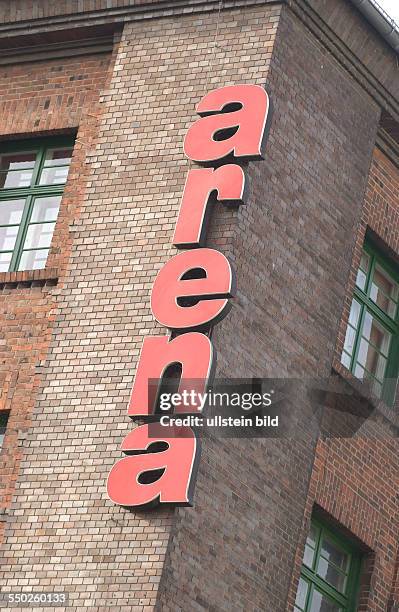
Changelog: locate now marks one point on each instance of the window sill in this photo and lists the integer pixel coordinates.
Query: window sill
(362, 389)
(29, 277)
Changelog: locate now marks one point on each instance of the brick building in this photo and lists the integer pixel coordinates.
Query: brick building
(95, 100)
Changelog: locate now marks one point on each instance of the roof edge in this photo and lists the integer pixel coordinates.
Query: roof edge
(382, 22)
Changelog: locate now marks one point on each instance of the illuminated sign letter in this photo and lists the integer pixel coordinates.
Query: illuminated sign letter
(192, 289)
(149, 475)
(227, 181)
(192, 351)
(233, 123)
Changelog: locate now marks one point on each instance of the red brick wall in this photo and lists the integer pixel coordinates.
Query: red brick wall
(36, 99)
(380, 212)
(381, 207)
(356, 481)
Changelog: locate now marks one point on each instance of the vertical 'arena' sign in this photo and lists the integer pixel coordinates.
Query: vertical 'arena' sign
(231, 128)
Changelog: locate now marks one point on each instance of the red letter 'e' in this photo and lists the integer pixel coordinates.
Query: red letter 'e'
(192, 289)
(222, 132)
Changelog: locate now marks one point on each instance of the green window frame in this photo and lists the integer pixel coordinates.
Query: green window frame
(371, 347)
(33, 174)
(329, 580)
(4, 415)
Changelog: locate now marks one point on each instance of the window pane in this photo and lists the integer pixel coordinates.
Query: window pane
(308, 556)
(331, 558)
(372, 360)
(384, 291)
(5, 259)
(16, 170)
(11, 211)
(334, 554)
(39, 235)
(362, 374)
(362, 271)
(58, 157)
(8, 236)
(349, 339)
(331, 574)
(301, 595)
(312, 536)
(33, 260)
(359, 372)
(54, 176)
(351, 332)
(56, 166)
(376, 388)
(3, 425)
(320, 603)
(376, 334)
(354, 313)
(310, 546)
(46, 209)
(17, 161)
(346, 360)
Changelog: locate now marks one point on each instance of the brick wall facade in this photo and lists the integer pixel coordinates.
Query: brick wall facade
(295, 247)
(290, 249)
(115, 558)
(356, 481)
(46, 98)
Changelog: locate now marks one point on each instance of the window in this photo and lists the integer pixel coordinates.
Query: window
(4, 414)
(371, 341)
(32, 178)
(330, 573)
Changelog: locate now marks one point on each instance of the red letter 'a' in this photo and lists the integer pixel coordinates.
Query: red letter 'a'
(192, 289)
(229, 183)
(127, 485)
(193, 351)
(223, 130)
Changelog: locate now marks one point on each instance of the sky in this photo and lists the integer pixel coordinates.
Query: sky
(391, 7)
